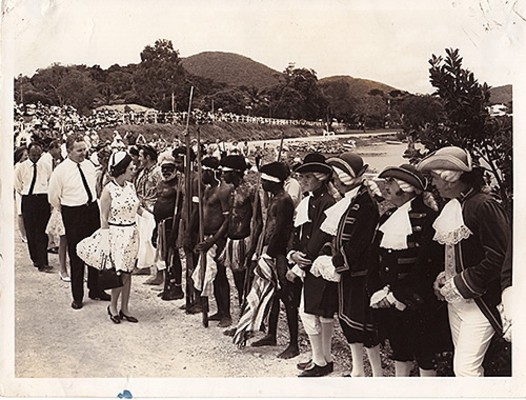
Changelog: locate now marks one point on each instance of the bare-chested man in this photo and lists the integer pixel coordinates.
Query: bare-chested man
(277, 233)
(216, 206)
(241, 233)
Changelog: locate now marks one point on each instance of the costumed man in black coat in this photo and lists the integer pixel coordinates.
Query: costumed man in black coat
(404, 263)
(352, 222)
(319, 301)
(475, 230)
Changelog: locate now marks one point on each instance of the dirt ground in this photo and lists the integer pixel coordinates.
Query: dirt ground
(54, 341)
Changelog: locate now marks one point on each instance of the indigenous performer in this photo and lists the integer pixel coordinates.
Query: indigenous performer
(241, 234)
(269, 284)
(352, 221)
(167, 213)
(147, 182)
(216, 206)
(475, 230)
(119, 234)
(319, 301)
(403, 265)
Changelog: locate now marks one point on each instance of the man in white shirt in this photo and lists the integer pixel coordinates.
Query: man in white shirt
(31, 182)
(72, 190)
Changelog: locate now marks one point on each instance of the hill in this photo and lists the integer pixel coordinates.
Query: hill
(501, 94)
(340, 86)
(231, 69)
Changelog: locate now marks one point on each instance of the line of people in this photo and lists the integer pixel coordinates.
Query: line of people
(415, 275)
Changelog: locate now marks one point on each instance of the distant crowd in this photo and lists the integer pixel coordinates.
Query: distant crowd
(47, 120)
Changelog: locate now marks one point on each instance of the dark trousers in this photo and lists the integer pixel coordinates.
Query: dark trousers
(289, 293)
(80, 222)
(35, 213)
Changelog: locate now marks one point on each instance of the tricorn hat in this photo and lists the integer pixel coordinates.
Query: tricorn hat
(314, 162)
(407, 173)
(350, 163)
(450, 158)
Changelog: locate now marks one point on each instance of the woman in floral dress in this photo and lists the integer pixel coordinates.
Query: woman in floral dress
(120, 237)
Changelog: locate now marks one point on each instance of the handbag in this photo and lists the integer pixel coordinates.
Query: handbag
(108, 277)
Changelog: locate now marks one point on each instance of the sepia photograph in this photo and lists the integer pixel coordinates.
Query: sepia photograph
(221, 198)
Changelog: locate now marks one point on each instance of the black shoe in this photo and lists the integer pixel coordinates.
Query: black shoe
(46, 268)
(128, 318)
(315, 371)
(76, 305)
(102, 296)
(115, 318)
(303, 365)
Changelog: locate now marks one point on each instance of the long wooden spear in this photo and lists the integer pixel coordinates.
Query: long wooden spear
(188, 204)
(202, 259)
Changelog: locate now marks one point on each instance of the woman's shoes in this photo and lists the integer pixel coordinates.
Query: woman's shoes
(127, 317)
(115, 318)
(63, 278)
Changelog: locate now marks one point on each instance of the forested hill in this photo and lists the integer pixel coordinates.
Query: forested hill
(501, 94)
(351, 87)
(232, 69)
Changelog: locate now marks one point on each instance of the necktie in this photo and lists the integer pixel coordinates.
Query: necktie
(85, 183)
(33, 180)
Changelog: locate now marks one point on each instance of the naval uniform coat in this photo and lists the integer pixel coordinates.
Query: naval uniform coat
(320, 296)
(422, 328)
(353, 238)
(480, 257)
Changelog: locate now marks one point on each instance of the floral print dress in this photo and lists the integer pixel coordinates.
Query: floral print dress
(124, 235)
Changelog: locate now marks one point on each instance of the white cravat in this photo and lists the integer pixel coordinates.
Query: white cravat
(335, 212)
(397, 228)
(302, 211)
(449, 226)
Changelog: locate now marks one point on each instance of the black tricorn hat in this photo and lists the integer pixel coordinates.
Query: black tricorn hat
(407, 173)
(314, 162)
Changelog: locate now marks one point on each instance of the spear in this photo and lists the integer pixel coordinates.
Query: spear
(202, 259)
(281, 145)
(188, 203)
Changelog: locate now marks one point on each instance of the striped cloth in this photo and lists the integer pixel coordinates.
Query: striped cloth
(206, 287)
(258, 299)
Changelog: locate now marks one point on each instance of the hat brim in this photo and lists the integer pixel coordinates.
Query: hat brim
(404, 175)
(344, 166)
(442, 162)
(314, 167)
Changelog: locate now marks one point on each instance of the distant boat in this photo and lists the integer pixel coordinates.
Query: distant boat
(393, 142)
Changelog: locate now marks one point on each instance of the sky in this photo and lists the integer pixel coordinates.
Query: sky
(387, 41)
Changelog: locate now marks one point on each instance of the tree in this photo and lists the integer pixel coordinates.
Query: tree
(371, 111)
(419, 112)
(467, 123)
(66, 85)
(298, 96)
(159, 74)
